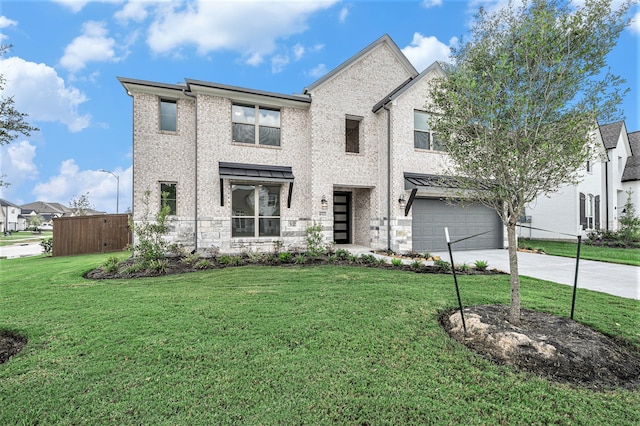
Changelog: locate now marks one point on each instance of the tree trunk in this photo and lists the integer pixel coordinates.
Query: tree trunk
(514, 312)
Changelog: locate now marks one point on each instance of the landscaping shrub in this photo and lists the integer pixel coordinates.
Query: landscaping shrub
(47, 245)
(481, 265)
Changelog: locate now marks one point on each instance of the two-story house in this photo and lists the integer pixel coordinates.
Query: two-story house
(598, 200)
(244, 168)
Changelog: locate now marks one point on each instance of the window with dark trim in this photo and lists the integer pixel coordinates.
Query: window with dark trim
(256, 125)
(352, 135)
(423, 136)
(169, 196)
(168, 115)
(255, 210)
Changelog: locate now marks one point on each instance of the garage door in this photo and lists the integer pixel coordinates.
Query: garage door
(430, 217)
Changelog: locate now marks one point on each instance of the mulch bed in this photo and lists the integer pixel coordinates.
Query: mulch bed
(560, 349)
(10, 344)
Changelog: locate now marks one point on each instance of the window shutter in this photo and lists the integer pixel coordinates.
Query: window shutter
(597, 211)
(583, 216)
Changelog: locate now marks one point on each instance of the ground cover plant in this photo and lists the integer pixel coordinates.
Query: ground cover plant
(626, 256)
(265, 345)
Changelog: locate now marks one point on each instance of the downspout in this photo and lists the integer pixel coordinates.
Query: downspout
(388, 176)
(606, 189)
(195, 167)
(133, 171)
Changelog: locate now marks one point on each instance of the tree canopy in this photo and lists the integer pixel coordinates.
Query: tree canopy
(519, 104)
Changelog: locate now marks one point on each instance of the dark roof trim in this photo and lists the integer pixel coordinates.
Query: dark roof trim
(255, 172)
(384, 39)
(247, 91)
(418, 180)
(398, 91)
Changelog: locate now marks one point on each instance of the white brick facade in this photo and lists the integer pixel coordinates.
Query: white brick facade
(312, 144)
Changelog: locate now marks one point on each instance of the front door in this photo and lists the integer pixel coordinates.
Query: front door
(342, 217)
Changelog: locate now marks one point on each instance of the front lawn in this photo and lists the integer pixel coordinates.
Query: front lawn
(625, 256)
(20, 237)
(279, 345)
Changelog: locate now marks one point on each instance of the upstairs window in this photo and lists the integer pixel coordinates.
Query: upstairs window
(169, 196)
(352, 135)
(168, 115)
(423, 136)
(255, 125)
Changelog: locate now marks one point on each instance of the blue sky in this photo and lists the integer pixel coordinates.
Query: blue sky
(67, 54)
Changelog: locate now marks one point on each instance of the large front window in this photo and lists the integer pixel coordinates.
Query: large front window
(423, 136)
(255, 210)
(256, 125)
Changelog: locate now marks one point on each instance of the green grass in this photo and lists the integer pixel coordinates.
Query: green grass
(289, 345)
(625, 256)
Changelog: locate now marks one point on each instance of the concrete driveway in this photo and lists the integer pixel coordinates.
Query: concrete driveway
(21, 250)
(618, 280)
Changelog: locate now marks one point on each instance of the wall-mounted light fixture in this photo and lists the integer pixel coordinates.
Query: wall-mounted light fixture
(324, 203)
(402, 202)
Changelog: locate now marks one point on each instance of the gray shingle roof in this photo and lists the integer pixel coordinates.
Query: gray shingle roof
(4, 202)
(632, 168)
(611, 133)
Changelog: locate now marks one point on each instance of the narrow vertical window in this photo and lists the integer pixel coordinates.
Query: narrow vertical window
(168, 111)
(169, 196)
(352, 135)
(423, 136)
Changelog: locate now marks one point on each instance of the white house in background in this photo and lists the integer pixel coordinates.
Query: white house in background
(598, 200)
(245, 168)
(631, 174)
(10, 217)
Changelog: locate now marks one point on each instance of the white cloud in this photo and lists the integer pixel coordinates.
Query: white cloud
(102, 187)
(5, 23)
(318, 71)
(431, 3)
(16, 162)
(635, 23)
(77, 5)
(424, 51)
(135, 11)
(298, 51)
(278, 62)
(92, 45)
(248, 27)
(344, 12)
(74, 5)
(39, 92)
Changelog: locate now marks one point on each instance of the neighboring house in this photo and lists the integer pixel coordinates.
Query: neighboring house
(598, 200)
(245, 169)
(631, 174)
(10, 217)
(49, 210)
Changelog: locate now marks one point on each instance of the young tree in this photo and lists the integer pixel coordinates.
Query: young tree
(81, 205)
(12, 122)
(518, 106)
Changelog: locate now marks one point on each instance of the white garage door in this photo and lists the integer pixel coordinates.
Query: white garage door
(431, 216)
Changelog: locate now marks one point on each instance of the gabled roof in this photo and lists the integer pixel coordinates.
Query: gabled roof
(398, 91)
(611, 133)
(4, 202)
(385, 39)
(632, 168)
(46, 207)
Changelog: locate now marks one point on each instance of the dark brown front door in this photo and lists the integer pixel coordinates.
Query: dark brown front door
(342, 217)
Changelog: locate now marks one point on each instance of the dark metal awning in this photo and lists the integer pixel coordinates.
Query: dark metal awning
(255, 172)
(413, 181)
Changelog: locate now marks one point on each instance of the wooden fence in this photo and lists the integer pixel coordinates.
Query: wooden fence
(90, 234)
